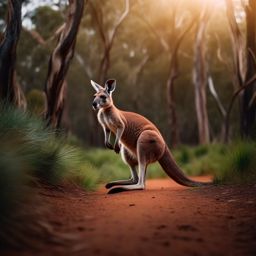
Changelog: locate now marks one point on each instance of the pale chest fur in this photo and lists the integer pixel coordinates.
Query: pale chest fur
(110, 121)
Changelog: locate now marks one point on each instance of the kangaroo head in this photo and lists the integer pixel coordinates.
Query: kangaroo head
(103, 95)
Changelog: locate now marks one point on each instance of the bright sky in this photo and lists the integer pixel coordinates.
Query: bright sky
(32, 5)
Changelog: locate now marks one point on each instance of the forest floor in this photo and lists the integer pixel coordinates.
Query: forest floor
(166, 219)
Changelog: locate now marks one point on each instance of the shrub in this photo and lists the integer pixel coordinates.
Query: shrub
(201, 151)
(29, 151)
(183, 156)
(36, 101)
(239, 166)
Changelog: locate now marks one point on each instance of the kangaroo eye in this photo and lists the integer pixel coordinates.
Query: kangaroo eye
(103, 97)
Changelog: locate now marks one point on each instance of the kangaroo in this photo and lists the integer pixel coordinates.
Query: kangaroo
(137, 139)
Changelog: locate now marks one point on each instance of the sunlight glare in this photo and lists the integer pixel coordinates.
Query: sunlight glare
(216, 3)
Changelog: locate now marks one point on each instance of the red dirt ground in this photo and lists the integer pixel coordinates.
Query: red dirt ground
(166, 219)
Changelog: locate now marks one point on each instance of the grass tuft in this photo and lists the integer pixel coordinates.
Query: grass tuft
(239, 166)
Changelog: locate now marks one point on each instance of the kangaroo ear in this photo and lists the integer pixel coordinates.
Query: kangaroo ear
(96, 86)
(110, 85)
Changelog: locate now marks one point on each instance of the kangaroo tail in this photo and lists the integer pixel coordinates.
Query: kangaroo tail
(172, 169)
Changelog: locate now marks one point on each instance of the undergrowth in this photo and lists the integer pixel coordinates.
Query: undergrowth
(239, 165)
(30, 154)
(234, 163)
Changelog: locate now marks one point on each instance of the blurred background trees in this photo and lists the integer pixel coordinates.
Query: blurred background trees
(143, 57)
(189, 66)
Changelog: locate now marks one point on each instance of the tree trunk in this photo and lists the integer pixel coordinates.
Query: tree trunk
(104, 66)
(10, 90)
(239, 64)
(200, 82)
(59, 64)
(172, 116)
(134, 81)
(248, 113)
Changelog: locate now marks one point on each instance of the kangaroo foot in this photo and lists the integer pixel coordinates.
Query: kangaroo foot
(126, 188)
(120, 183)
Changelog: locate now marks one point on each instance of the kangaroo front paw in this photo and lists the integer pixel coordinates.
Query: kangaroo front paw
(117, 148)
(108, 145)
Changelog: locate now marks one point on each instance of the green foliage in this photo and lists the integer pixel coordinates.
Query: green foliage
(30, 152)
(201, 150)
(85, 175)
(184, 155)
(46, 20)
(36, 101)
(239, 166)
(107, 164)
(233, 163)
(29, 149)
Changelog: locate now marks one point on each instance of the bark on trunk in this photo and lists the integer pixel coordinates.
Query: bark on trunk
(239, 64)
(59, 64)
(171, 101)
(200, 82)
(134, 81)
(10, 90)
(248, 113)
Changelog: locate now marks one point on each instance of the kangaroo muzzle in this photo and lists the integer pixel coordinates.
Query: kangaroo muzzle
(94, 105)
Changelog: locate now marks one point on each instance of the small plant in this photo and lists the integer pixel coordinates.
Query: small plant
(183, 156)
(36, 102)
(240, 164)
(201, 151)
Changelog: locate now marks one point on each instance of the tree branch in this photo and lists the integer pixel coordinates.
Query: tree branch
(119, 22)
(216, 97)
(155, 33)
(81, 61)
(236, 93)
(99, 22)
(35, 35)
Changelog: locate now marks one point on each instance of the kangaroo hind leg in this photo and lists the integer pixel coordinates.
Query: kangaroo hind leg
(150, 147)
(132, 162)
(135, 185)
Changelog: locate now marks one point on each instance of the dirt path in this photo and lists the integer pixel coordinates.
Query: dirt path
(166, 219)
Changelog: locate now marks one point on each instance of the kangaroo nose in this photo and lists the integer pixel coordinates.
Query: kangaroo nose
(94, 105)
